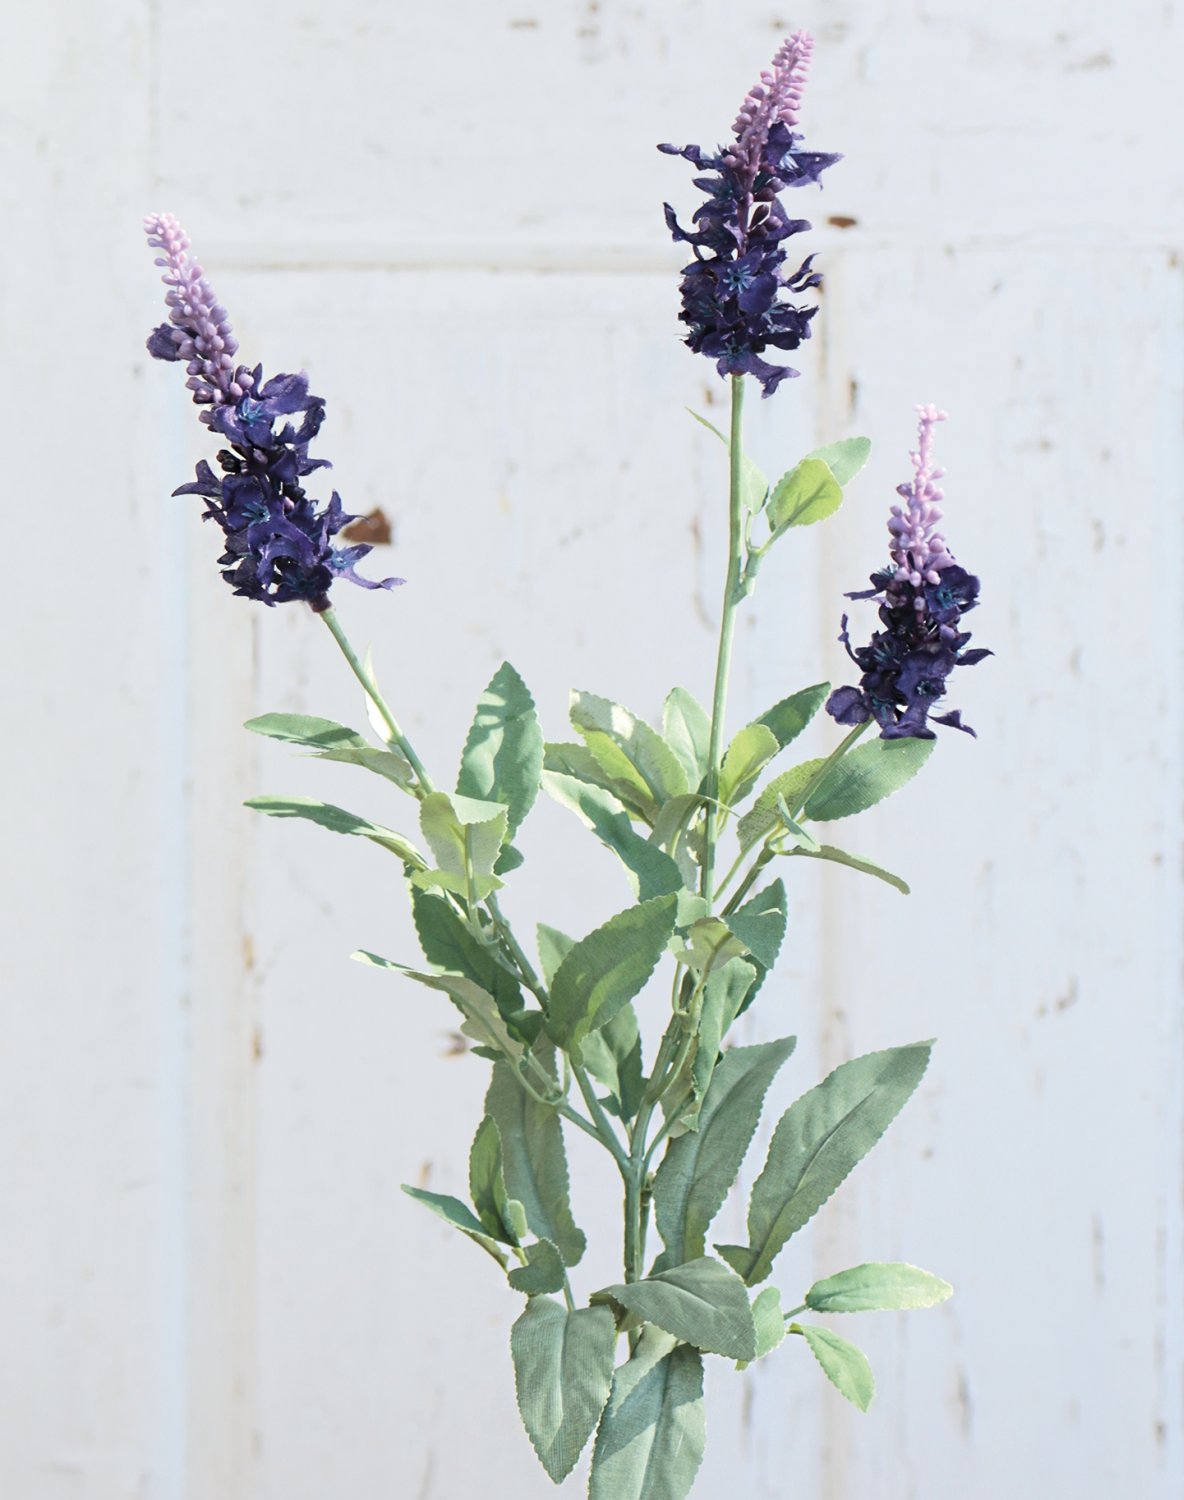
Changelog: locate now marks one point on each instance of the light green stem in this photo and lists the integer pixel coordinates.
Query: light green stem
(826, 768)
(727, 624)
(370, 687)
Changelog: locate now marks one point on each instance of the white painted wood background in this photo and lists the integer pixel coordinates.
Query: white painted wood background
(210, 1285)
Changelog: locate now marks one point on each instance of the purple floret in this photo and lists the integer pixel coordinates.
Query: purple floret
(733, 292)
(279, 544)
(923, 596)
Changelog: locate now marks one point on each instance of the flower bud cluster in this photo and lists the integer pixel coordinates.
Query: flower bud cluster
(733, 292)
(923, 596)
(279, 543)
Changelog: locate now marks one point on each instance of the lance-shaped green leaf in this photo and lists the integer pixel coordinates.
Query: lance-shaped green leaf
(337, 820)
(845, 458)
(623, 781)
(503, 755)
(878, 1287)
(466, 837)
(333, 741)
(605, 970)
(629, 749)
(553, 946)
(746, 757)
(808, 493)
(534, 1160)
(700, 1302)
(563, 1370)
(501, 1216)
(687, 730)
(454, 1212)
(800, 839)
(543, 1271)
(700, 1167)
(613, 1056)
(651, 871)
(308, 731)
(763, 817)
(651, 1437)
(760, 923)
(448, 944)
(753, 485)
(483, 1021)
(818, 1141)
(724, 996)
(844, 1365)
(769, 1320)
(866, 775)
(670, 833)
(853, 862)
(788, 718)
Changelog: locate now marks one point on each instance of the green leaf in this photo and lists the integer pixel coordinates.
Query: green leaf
(840, 857)
(501, 1217)
(448, 944)
(651, 1437)
(788, 718)
(613, 1056)
(627, 787)
(651, 871)
(503, 755)
(763, 817)
(807, 494)
(563, 1371)
(306, 730)
(454, 1212)
(818, 1141)
(866, 775)
(534, 1161)
(753, 484)
(801, 839)
(392, 763)
(554, 946)
(877, 1287)
(543, 1271)
(629, 749)
(700, 1302)
(465, 835)
(483, 1021)
(760, 923)
(700, 1167)
(687, 730)
(337, 820)
(605, 970)
(724, 997)
(769, 1320)
(670, 834)
(334, 741)
(746, 757)
(845, 458)
(844, 1365)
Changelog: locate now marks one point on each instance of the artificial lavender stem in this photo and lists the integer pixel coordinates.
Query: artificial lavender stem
(727, 623)
(371, 689)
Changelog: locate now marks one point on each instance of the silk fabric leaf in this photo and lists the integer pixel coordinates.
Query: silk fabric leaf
(699, 1168)
(651, 1437)
(503, 756)
(563, 1371)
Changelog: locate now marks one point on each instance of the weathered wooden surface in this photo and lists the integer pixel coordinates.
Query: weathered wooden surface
(211, 1285)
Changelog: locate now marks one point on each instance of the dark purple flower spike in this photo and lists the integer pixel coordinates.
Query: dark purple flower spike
(732, 292)
(279, 545)
(923, 596)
